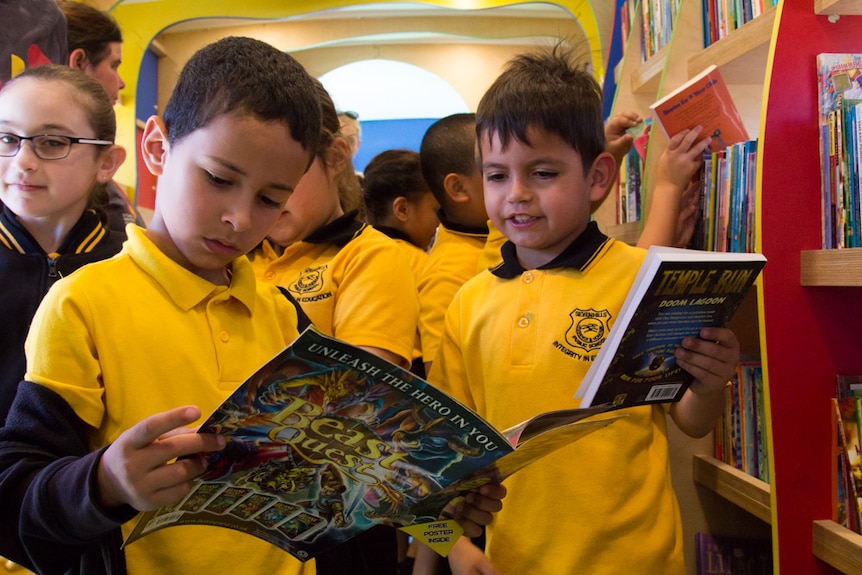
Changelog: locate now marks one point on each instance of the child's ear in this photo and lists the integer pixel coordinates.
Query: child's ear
(455, 189)
(401, 208)
(110, 161)
(602, 174)
(154, 145)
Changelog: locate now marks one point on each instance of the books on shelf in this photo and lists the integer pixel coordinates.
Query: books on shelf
(730, 555)
(702, 101)
(630, 190)
(839, 98)
(675, 294)
(658, 18)
(741, 432)
(721, 17)
(327, 440)
(727, 205)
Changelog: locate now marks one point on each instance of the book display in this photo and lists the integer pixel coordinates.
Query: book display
(769, 66)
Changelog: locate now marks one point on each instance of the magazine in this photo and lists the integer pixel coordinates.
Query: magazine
(675, 293)
(327, 440)
(702, 101)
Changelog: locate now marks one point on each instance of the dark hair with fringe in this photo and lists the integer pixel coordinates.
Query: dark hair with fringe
(91, 96)
(448, 147)
(89, 29)
(545, 89)
(388, 175)
(244, 76)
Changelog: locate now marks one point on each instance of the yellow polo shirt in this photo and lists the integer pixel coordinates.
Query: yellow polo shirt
(451, 262)
(352, 281)
(604, 505)
(136, 335)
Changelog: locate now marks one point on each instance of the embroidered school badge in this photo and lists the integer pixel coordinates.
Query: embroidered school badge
(589, 328)
(310, 281)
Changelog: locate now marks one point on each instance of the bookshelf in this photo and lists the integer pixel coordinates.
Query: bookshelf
(808, 299)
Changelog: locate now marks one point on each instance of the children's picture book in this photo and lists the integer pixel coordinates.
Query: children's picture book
(675, 294)
(702, 101)
(729, 555)
(327, 440)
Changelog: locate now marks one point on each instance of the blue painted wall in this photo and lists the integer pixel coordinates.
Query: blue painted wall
(381, 135)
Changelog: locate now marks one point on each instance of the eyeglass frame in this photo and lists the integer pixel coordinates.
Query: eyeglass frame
(72, 140)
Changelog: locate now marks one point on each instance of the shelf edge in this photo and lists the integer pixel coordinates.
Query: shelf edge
(745, 491)
(837, 546)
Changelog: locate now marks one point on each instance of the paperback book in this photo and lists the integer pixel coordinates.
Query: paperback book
(327, 440)
(702, 101)
(675, 294)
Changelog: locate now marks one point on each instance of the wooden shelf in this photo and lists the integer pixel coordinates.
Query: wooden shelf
(837, 546)
(841, 268)
(838, 7)
(745, 491)
(646, 79)
(741, 55)
(628, 233)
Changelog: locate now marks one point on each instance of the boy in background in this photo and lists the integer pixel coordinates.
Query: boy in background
(509, 351)
(102, 415)
(447, 157)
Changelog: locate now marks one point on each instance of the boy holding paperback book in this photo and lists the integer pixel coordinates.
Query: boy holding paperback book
(108, 394)
(520, 337)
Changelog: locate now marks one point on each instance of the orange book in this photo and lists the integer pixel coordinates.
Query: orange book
(702, 101)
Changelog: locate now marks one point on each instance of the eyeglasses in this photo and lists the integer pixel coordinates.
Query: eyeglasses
(47, 147)
(350, 114)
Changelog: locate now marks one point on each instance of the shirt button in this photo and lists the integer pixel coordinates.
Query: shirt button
(528, 277)
(225, 336)
(523, 322)
(269, 275)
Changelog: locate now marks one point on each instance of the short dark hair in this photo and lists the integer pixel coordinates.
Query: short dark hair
(89, 29)
(387, 176)
(244, 76)
(545, 89)
(448, 147)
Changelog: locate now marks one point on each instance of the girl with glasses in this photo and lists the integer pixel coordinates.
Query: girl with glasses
(57, 128)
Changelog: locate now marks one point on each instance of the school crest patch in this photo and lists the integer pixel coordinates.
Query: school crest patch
(310, 281)
(589, 328)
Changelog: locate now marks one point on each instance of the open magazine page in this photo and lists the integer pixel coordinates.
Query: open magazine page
(325, 441)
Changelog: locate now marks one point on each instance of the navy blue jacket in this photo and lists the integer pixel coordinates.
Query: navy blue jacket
(26, 273)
